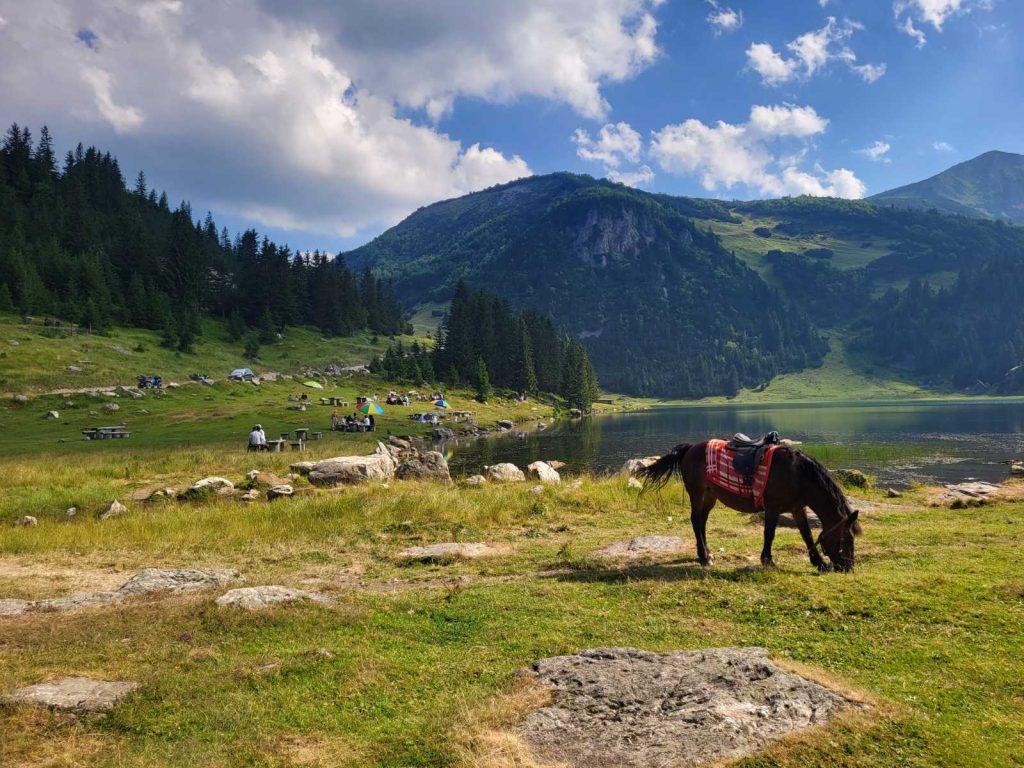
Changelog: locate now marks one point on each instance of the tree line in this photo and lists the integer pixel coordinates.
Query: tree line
(483, 343)
(77, 243)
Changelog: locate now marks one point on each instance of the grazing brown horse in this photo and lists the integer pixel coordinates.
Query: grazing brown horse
(795, 482)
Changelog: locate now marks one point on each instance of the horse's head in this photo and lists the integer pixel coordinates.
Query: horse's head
(839, 542)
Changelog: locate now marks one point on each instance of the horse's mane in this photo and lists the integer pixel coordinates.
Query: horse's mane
(815, 472)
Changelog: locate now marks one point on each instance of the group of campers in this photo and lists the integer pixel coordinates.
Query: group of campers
(353, 423)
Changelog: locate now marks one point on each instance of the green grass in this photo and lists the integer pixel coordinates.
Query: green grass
(34, 358)
(931, 624)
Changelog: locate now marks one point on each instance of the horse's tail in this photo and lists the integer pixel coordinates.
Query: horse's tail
(660, 472)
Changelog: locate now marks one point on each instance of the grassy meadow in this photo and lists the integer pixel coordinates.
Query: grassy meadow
(422, 657)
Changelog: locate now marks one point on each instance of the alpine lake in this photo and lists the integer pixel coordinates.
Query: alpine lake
(899, 443)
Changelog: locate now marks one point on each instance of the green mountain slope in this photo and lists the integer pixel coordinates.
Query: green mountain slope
(663, 308)
(991, 186)
(681, 297)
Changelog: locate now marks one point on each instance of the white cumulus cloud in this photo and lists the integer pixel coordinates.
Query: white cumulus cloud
(933, 12)
(725, 155)
(724, 19)
(310, 116)
(618, 147)
(878, 151)
(942, 146)
(810, 53)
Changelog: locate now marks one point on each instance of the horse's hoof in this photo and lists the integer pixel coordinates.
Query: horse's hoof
(707, 562)
(822, 567)
(768, 563)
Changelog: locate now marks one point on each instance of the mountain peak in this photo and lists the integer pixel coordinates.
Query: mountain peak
(989, 186)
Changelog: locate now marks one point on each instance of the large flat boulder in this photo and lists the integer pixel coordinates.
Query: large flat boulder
(264, 597)
(150, 580)
(642, 546)
(635, 709)
(379, 466)
(73, 694)
(446, 552)
(207, 487)
(430, 465)
(13, 607)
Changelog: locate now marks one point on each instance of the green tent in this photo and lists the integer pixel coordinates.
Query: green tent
(313, 384)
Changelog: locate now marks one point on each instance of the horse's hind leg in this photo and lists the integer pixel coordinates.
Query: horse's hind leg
(771, 520)
(800, 515)
(701, 503)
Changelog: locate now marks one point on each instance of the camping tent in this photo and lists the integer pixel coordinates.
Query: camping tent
(241, 374)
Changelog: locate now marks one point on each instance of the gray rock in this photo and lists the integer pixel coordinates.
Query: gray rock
(209, 486)
(282, 491)
(302, 467)
(74, 694)
(505, 473)
(261, 598)
(636, 709)
(442, 433)
(427, 466)
(10, 606)
(113, 509)
(21, 399)
(256, 478)
(446, 552)
(122, 391)
(348, 470)
(150, 580)
(28, 520)
(399, 443)
(632, 466)
(52, 415)
(111, 407)
(74, 369)
(541, 470)
(75, 601)
(475, 480)
(634, 484)
(251, 495)
(71, 511)
(892, 493)
(643, 546)
(504, 424)
(555, 465)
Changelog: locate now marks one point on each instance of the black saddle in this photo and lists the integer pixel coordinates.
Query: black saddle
(748, 453)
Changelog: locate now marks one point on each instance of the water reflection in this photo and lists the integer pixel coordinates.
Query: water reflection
(948, 441)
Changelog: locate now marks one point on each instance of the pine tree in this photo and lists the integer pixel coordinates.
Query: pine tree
(6, 300)
(266, 329)
(235, 326)
(483, 381)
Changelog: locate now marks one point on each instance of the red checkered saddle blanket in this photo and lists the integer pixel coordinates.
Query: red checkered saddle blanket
(721, 472)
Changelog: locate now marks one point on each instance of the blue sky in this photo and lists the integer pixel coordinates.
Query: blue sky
(325, 122)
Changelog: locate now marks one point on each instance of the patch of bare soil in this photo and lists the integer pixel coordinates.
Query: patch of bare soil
(33, 578)
(630, 708)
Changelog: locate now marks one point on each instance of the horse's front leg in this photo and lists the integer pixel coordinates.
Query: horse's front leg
(800, 515)
(771, 520)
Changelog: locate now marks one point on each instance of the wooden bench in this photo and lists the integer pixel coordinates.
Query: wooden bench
(298, 445)
(316, 435)
(116, 432)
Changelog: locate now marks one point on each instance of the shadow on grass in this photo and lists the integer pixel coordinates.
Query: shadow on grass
(678, 570)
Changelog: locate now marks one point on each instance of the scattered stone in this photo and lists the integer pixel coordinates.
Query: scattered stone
(21, 399)
(852, 477)
(122, 391)
(786, 520)
(251, 495)
(12, 607)
(282, 491)
(258, 479)
(446, 552)
(632, 466)
(475, 480)
(74, 369)
(399, 442)
(536, 490)
(28, 520)
(208, 486)
(440, 434)
(302, 467)
(71, 511)
(111, 407)
(504, 424)
(74, 694)
(505, 473)
(1017, 468)
(892, 493)
(347, 470)
(555, 465)
(431, 465)
(113, 509)
(52, 415)
(161, 494)
(642, 546)
(635, 484)
(68, 404)
(575, 413)
(150, 580)
(541, 470)
(632, 708)
(75, 601)
(260, 598)
(119, 348)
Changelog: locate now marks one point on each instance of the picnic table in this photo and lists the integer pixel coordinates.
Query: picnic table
(275, 446)
(115, 432)
(301, 434)
(337, 402)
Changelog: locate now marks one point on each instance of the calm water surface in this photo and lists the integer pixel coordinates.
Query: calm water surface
(900, 443)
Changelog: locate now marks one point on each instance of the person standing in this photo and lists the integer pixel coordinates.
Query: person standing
(334, 420)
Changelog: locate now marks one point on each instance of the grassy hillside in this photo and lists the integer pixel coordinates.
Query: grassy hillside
(420, 661)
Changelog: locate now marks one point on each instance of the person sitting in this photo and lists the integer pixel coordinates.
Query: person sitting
(371, 423)
(257, 439)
